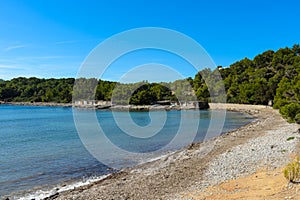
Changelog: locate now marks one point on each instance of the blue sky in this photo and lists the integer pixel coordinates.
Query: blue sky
(51, 38)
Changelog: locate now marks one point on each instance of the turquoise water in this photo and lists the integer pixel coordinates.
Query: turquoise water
(39, 146)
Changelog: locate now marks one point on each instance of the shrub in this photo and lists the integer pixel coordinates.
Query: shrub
(290, 138)
(292, 171)
(290, 111)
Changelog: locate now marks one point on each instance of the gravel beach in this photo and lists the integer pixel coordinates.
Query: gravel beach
(266, 142)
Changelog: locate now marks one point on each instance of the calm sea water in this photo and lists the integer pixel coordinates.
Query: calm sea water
(40, 147)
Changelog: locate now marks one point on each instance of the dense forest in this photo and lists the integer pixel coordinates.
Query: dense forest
(272, 75)
(269, 76)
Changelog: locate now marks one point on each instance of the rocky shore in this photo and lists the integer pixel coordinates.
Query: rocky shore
(38, 104)
(204, 105)
(267, 142)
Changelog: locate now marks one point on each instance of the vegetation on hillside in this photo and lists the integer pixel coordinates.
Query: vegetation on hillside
(140, 93)
(269, 76)
(37, 90)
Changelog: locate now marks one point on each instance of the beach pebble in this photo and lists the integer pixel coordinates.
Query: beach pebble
(270, 150)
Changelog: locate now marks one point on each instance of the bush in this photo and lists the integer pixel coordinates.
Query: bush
(290, 138)
(292, 171)
(290, 111)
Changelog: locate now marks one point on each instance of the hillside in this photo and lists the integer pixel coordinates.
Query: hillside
(269, 76)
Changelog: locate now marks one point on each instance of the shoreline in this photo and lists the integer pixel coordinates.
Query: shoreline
(251, 170)
(171, 176)
(121, 108)
(186, 169)
(52, 193)
(37, 104)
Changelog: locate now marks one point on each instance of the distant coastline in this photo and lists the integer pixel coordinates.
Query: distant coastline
(37, 104)
(203, 106)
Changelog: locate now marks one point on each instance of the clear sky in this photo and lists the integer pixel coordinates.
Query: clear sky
(51, 38)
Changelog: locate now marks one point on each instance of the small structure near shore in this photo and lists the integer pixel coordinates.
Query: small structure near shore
(163, 103)
(92, 103)
(270, 103)
(195, 105)
(159, 105)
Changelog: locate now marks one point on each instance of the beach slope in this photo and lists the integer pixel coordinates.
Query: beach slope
(186, 173)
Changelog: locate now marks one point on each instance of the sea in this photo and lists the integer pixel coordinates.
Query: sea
(44, 149)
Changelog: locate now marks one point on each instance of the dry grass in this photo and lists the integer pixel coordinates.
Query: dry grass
(292, 171)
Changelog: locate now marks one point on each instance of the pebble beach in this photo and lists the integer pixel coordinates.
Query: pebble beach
(267, 142)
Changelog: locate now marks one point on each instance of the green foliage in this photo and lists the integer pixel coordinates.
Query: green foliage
(269, 76)
(290, 138)
(104, 90)
(142, 93)
(85, 89)
(183, 90)
(208, 85)
(292, 171)
(37, 90)
(290, 111)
